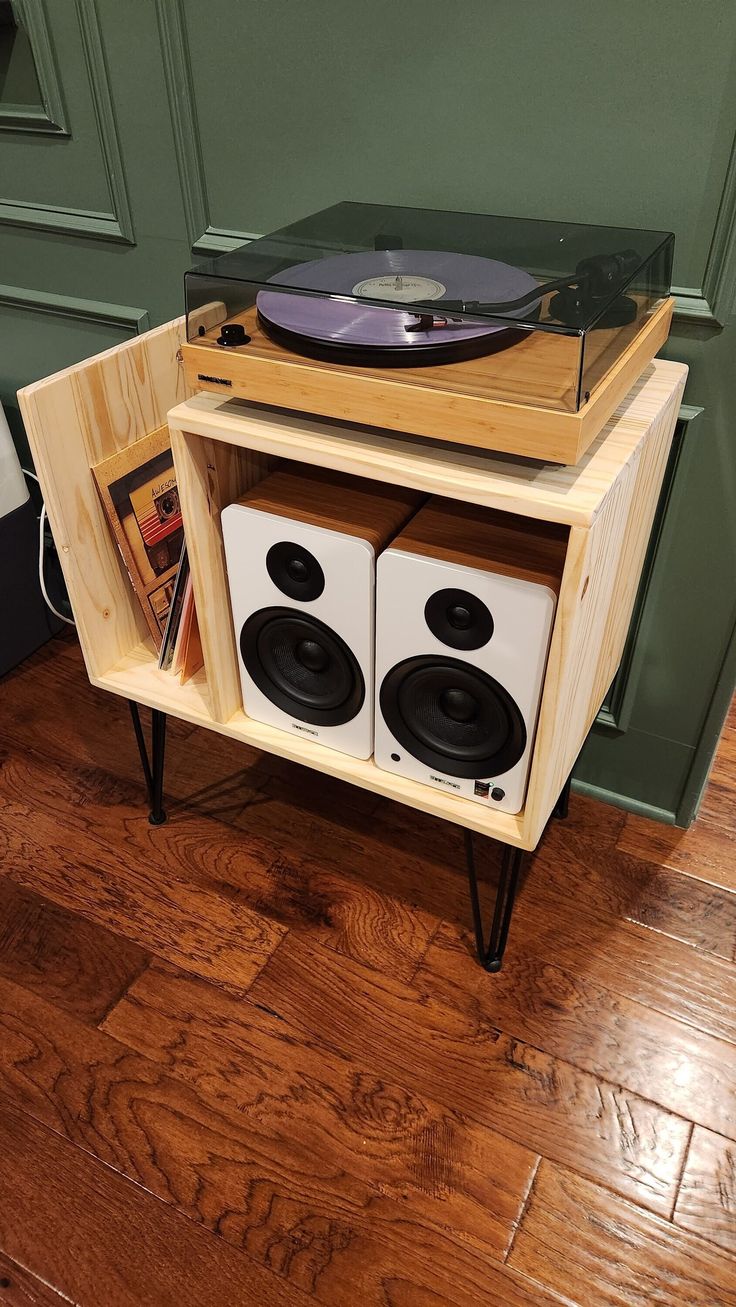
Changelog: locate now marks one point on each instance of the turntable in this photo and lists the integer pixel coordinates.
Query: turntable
(511, 334)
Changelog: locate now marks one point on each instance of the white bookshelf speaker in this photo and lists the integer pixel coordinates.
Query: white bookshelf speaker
(465, 603)
(301, 549)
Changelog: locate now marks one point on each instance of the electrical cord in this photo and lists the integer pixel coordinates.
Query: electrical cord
(41, 545)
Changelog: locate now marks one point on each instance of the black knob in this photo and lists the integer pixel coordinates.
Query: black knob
(311, 655)
(459, 617)
(297, 569)
(497, 794)
(232, 334)
(458, 705)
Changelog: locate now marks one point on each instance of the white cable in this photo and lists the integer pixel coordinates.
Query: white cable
(41, 542)
(41, 578)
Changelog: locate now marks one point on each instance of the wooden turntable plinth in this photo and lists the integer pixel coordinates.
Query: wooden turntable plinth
(474, 402)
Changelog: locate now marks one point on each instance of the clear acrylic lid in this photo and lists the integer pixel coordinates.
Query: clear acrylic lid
(558, 277)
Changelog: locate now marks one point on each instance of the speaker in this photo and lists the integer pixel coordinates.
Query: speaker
(300, 550)
(465, 603)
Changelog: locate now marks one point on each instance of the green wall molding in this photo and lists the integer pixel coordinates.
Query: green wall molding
(116, 225)
(203, 237)
(134, 319)
(49, 117)
(715, 301)
(709, 304)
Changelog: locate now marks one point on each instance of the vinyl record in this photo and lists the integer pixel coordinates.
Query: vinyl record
(372, 334)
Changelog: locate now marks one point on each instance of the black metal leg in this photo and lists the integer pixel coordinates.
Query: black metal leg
(561, 807)
(490, 955)
(153, 767)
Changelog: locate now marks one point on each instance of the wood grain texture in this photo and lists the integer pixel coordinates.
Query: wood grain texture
(585, 1243)
(315, 1183)
(496, 542)
(572, 1016)
(568, 494)
(143, 880)
(451, 1173)
(519, 400)
(691, 910)
(80, 967)
(366, 1137)
(81, 1227)
(706, 851)
(706, 1202)
(102, 405)
(698, 989)
(543, 1102)
(18, 1288)
(351, 505)
(261, 880)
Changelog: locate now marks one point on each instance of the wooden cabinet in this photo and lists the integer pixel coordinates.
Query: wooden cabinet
(606, 502)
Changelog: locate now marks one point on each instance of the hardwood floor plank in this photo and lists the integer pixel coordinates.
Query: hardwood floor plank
(144, 882)
(271, 1176)
(77, 965)
(595, 1248)
(94, 1236)
(568, 1015)
(706, 852)
(448, 1170)
(647, 966)
(294, 887)
(611, 881)
(431, 1048)
(706, 1202)
(18, 1288)
(718, 804)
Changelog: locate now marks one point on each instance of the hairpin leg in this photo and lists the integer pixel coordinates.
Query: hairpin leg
(561, 807)
(153, 766)
(490, 954)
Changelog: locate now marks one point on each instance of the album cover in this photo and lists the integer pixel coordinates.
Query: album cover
(139, 494)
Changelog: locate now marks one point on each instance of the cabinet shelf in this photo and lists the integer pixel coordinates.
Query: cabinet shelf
(137, 677)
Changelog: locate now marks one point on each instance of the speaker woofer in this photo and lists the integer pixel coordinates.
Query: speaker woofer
(453, 717)
(302, 666)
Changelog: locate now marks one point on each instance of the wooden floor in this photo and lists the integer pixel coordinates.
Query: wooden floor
(248, 1058)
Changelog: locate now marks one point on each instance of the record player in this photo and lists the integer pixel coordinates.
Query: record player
(511, 334)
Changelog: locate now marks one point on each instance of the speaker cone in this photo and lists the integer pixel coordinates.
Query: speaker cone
(458, 618)
(453, 717)
(302, 666)
(294, 571)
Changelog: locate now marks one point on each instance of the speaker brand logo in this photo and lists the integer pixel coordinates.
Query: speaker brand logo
(307, 730)
(442, 780)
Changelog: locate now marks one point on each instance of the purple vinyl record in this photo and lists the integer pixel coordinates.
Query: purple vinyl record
(371, 333)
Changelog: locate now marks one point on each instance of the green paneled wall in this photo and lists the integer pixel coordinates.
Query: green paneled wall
(170, 125)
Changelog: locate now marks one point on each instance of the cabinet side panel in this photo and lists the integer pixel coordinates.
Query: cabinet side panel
(577, 652)
(74, 419)
(599, 586)
(211, 475)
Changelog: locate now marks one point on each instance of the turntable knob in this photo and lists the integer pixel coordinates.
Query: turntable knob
(233, 333)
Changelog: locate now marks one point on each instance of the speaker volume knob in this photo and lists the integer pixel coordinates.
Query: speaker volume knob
(459, 617)
(312, 656)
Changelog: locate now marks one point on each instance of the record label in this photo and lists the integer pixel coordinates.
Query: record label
(402, 288)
